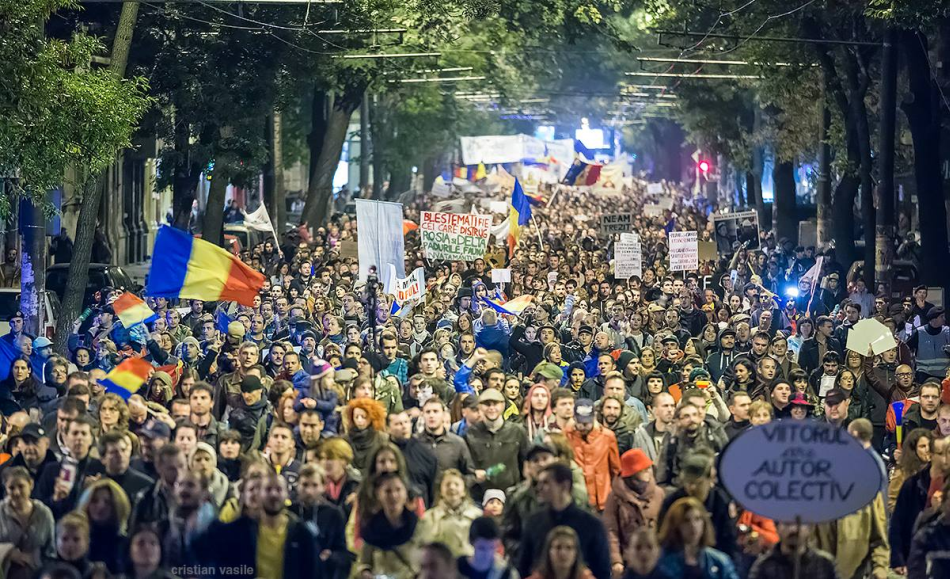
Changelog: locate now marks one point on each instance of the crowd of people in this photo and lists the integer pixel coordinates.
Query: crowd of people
(315, 434)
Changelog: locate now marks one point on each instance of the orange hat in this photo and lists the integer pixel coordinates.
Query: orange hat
(634, 461)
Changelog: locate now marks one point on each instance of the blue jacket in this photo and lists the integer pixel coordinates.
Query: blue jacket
(715, 564)
(326, 401)
(493, 338)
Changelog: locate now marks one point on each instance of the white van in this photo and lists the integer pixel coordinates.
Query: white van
(10, 304)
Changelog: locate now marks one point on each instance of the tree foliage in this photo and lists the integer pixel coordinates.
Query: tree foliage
(57, 111)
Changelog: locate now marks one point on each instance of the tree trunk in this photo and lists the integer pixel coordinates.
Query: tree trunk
(212, 226)
(315, 140)
(377, 126)
(867, 189)
(923, 112)
(273, 196)
(187, 175)
(33, 267)
(320, 189)
(750, 198)
(786, 214)
(823, 201)
(884, 232)
(78, 274)
(365, 148)
(430, 170)
(843, 226)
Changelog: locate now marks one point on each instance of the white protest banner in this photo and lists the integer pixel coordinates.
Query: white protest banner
(407, 289)
(652, 210)
(655, 188)
(616, 223)
(501, 276)
(628, 259)
(630, 237)
(380, 239)
(684, 251)
(454, 236)
(805, 470)
(492, 149)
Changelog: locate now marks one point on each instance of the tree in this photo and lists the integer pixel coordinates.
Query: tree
(60, 116)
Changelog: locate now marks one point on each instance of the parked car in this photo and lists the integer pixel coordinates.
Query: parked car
(10, 304)
(100, 275)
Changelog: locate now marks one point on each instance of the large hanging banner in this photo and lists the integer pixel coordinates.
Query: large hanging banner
(684, 251)
(492, 149)
(380, 240)
(454, 236)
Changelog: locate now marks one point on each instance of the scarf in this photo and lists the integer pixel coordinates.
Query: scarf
(380, 533)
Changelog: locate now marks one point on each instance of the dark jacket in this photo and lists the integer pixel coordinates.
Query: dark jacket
(44, 486)
(450, 450)
(532, 351)
(930, 551)
(327, 524)
(911, 501)
(507, 446)
(815, 564)
(809, 358)
(423, 467)
(590, 530)
(151, 506)
(234, 544)
(17, 460)
(132, 482)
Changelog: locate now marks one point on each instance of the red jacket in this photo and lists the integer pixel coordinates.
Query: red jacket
(599, 458)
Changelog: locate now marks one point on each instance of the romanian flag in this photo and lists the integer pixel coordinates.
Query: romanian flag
(126, 378)
(582, 173)
(519, 214)
(512, 307)
(480, 172)
(132, 310)
(188, 268)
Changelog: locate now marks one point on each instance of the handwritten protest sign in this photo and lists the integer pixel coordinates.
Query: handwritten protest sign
(629, 237)
(799, 469)
(655, 188)
(628, 259)
(454, 236)
(616, 222)
(501, 275)
(684, 251)
(406, 289)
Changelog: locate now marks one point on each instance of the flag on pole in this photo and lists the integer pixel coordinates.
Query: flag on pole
(518, 216)
(188, 268)
(512, 307)
(260, 220)
(132, 310)
(126, 378)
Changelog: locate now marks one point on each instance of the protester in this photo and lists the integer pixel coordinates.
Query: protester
(686, 537)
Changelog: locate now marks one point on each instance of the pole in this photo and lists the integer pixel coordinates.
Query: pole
(823, 201)
(884, 230)
(797, 562)
(538, 231)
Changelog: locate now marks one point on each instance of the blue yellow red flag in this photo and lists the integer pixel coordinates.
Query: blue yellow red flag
(126, 378)
(187, 267)
(132, 310)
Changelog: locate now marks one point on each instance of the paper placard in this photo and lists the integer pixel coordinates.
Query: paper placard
(501, 276)
(652, 210)
(628, 259)
(631, 237)
(454, 236)
(498, 207)
(349, 248)
(684, 251)
(655, 188)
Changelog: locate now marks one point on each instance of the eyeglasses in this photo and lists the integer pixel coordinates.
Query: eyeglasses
(904, 374)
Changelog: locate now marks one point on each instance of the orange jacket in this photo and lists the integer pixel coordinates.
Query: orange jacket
(599, 459)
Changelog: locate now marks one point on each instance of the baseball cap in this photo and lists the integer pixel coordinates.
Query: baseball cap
(251, 383)
(490, 395)
(634, 461)
(549, 370)
(41, 342)
(32, 430)
(585, 330)
(835, 396)
(538, 448)
(584, 411)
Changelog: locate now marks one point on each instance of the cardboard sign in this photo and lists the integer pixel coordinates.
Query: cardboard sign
(349, 248)
(498, 207)
(501, 276)
(732, 228)
(628, 259)
(684, 251)
(707, 251)
(652, 210)
(799, 469)
(454, 236)
(616, 223)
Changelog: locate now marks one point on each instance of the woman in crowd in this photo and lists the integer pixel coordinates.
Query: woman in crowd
(912, 457)
(514, 400)
(145, 555)
(365, 422)
(26, 525)
(561, 558)
(537, 412)
(686, 536)
(391, 535)
(107, 507)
